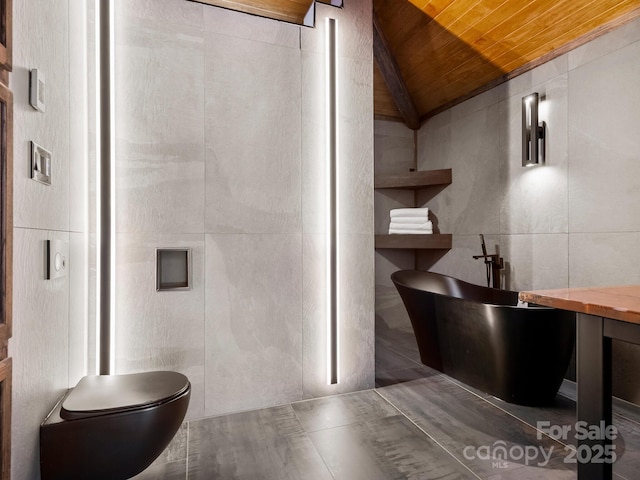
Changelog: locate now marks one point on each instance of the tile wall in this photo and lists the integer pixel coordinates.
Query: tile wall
(220, 149)
(50, 317)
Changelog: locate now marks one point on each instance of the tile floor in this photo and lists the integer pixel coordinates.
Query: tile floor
(416, 424)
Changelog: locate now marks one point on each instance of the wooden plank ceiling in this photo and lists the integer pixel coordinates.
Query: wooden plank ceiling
(448, 50)
(292, 11)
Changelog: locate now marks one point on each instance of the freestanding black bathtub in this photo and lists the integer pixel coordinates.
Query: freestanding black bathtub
(479, 336)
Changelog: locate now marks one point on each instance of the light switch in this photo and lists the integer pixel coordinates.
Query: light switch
(57, 254)
(37, 84)
(40, 164)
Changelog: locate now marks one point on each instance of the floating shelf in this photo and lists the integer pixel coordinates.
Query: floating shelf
(435, 241)
(414, 180)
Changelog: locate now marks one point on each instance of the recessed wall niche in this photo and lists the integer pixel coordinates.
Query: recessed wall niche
(173, 269)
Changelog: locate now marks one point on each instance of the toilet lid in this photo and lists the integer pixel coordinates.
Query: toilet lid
(104, 394)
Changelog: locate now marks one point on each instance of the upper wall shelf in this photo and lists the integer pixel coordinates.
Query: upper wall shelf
(414, 180)
(434, 241)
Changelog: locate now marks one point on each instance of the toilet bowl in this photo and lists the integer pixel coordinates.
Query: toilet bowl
(112, 426)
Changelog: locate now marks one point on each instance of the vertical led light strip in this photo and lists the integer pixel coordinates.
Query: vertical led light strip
(98, 133)
(105, 152)
(331, 100)
(84, 46)
(112, 185)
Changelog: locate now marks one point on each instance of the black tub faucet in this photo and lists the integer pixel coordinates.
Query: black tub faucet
(493, 263)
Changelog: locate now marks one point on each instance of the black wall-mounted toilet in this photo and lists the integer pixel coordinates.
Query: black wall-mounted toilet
(112, 426)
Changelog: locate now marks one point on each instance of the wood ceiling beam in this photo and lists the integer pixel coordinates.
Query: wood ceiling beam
(393, 77)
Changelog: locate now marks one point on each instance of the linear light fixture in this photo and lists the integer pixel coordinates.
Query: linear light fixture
(533, 138)
(331, 102)
(105, 195)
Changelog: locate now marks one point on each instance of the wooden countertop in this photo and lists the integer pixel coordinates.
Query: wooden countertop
(620, 303)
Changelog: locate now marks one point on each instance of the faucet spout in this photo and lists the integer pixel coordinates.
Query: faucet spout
(494, 263)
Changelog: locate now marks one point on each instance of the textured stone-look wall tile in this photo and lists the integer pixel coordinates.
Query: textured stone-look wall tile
(39, 346)
(435, 152)
(469, 146)
(81, 166)
(392, 147)
(355, 155)
(551, 70)
(604, 45)
(257, 29)
(459, 261)
(389, 261)
(92, 260)
(314, 142)
(535, 262)
(80, 161)
(389, 306)
(252, 137)
(356, 318)
(186, 14)
(390, 309)
(79, 313)
(159, 128)
(36, 205)
(314, 316)
(160, 330)
(604, 259)
(357, 311)
(477, 103)
(604, 169)
(475, 193)
(434, 142)
(253, 329)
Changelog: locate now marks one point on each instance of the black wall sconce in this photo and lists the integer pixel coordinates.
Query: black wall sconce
(533, 132)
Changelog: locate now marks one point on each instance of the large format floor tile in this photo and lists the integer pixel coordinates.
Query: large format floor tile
(340, 410)
(418, 424)
(468, 426)
(388, 448)
(267, 444)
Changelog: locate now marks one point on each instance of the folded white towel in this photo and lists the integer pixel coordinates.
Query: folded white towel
(410, 220)
(409, 232)
(409, 212)
(410, 226)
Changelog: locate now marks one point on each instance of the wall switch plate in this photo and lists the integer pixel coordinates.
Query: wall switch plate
(40, 164)
(37, 84)
(57, 253)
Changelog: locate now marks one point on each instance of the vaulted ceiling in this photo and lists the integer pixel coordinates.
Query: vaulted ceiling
(432, 54)
(449, 50)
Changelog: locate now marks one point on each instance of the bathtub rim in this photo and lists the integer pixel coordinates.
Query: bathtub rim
(396, 274)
